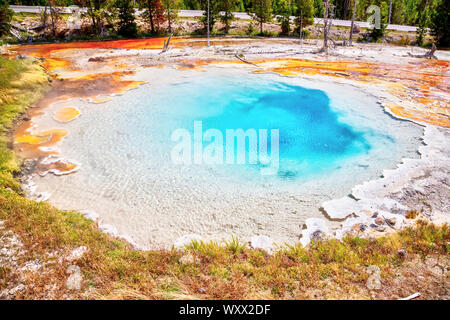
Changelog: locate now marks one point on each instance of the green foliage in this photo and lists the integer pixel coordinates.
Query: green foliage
(409, 12)
(16, 94)
(377, 33)
(227, 7)
(153, 13)
(261, 11)
(98, 12)
(251, 29)
(214, 12)
(126, 26)
(285, 24)
(304, 13)
(5, 17)
(398, 12)
(423, 24)
(171, 8)
(234, 246)
(440, 23)
(318, 8)
(284, 12)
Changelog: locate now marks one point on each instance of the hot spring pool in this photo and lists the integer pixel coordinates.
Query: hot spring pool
(331, 137)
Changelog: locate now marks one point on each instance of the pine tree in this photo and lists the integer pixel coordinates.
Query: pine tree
(214, 12)
(227, 7)
(153, 13)
(378, 33)
(127, 25)
(283, 11)
(5, 17)
(261, 11)
(423, 24)
(171, 8)
(304, 13)
(440, 23)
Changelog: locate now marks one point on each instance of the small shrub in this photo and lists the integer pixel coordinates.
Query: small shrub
(285, 25)
(251, 29)
(412, 214)
(404, 40)
(235, 246)
(5, 17)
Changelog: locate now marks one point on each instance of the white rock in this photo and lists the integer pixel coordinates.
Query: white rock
(374, 280)
(313, 225)
(31, 266)
(340, 208)
(73, 282)
(90, 214)
(109, 229)
(262, 242)
(76, 254)
(187, 259)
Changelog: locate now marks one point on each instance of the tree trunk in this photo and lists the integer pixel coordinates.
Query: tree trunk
(150, 14)
(301, 28)
(52, 18)
(97, 19)
(325, 26)
(352, 24)
(168, 19)
(390, 12)
(208, 26)
(261, 8)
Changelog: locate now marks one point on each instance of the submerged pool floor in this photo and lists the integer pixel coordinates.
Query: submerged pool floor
(331, 137)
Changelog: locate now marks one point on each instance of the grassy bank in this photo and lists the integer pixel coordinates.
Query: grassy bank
(111, 269)
(21, 83)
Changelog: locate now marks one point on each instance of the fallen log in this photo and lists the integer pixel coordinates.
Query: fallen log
(18, 27)
(16, 34)
(428, 55)
(240, 57)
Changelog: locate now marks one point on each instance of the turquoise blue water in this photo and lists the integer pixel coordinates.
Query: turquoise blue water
(332, 137)
(311, 137)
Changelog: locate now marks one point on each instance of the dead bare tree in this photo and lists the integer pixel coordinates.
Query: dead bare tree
(301, 26)
(166, 44)
(208, 26)
(44, 17)
(390, 12)
(52, 13)
(325, 27)
(327, 23)
(54, 17)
